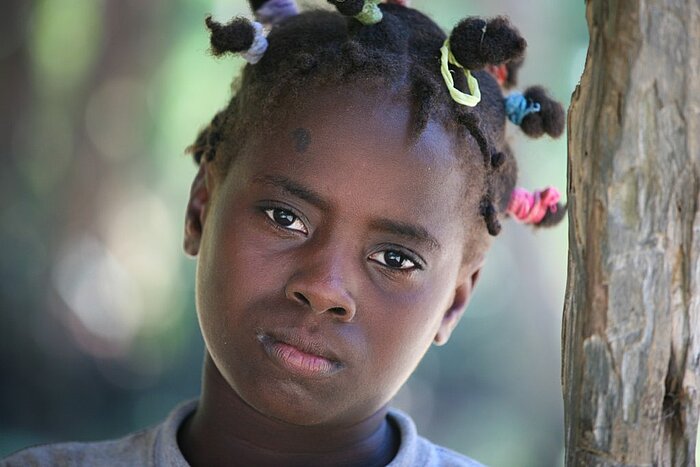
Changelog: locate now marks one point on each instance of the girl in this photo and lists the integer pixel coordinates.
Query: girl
(345, 200)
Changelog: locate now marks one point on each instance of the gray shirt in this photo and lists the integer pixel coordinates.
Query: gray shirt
(157, 447)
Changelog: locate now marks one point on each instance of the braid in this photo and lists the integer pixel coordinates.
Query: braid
(399, 52)
(472, 123)
(488, 211)
(504, 179)
(425, 100)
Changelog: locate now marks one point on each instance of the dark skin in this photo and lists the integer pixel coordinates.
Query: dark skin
(302, 139)
(322, 280)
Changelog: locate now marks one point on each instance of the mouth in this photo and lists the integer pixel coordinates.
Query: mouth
(300, 356)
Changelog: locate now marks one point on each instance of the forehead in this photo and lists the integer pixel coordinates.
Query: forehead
(359, 149)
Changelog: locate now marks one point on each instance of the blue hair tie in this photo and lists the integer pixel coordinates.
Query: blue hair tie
(518, 107)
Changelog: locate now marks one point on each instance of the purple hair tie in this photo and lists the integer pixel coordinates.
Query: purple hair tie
(256, 51)
(274, 11)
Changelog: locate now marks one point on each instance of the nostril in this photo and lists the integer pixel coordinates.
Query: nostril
(301, 298)
(322, 302)
(339, 311)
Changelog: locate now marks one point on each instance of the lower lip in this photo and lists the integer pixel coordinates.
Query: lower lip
(296, 361)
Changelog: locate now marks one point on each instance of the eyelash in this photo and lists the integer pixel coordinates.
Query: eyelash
(416, 265)
(378, 257)
(271, 211)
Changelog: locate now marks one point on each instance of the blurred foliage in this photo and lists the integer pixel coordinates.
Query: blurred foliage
(99, 334)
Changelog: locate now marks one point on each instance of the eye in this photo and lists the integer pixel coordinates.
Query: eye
(395, 260)
(286, 219)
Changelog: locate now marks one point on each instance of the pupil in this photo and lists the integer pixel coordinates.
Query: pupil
(393, 259)
(284, 218)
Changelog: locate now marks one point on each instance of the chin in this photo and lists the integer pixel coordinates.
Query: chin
(293, 405)
(288, 398)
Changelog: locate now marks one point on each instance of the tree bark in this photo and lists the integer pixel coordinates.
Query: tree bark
(631, 331)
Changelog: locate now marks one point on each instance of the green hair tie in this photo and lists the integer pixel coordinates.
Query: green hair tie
(370, 14)
(469, 100)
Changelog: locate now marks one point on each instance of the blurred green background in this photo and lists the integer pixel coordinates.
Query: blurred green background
(98, 334)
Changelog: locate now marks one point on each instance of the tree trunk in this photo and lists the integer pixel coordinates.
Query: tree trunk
(631, 332)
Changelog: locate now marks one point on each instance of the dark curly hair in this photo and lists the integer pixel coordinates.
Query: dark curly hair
(401, 53)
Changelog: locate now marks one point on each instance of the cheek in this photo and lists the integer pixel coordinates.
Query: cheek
(233, 271)
(402, 330)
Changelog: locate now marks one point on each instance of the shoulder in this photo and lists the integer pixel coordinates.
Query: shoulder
(134, 449)
(444, 457)
(417, 450)
(153, 446)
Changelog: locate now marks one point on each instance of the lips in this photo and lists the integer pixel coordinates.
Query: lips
(299, 355)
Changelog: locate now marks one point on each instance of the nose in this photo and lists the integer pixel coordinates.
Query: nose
(320, 286)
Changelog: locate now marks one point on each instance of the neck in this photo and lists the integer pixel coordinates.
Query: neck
(225, 430)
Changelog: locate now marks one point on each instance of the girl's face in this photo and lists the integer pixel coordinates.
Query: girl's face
(330, 258)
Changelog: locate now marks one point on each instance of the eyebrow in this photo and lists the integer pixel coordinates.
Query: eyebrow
(402, 229)
(294, 189)
(411, 231)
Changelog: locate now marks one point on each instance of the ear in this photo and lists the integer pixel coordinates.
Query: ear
(197, 208)
(468, 277)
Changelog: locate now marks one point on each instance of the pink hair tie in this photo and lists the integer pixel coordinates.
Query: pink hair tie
(531, 208)
(405, 3)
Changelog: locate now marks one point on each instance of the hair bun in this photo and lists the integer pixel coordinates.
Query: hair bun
(238, 36)
(553, 217)
(235, 36)
(348, 7)
(476, 43)
(366, 12)
(549, 119)
(255, 5)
